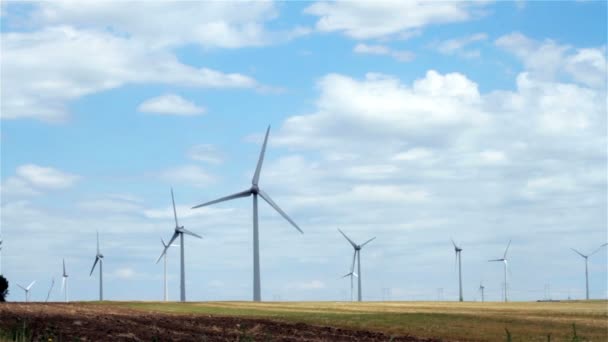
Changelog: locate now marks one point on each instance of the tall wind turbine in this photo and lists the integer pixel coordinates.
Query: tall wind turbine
(586, 267)
(357, 256)
(458, 252)
(98, 258)
(165, 287)
(256, 191)
(351, 274)
(27, 290)
(505, 262)
(481, 288)
(64, 282)
(179, 231)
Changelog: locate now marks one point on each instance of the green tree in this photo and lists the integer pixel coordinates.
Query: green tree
(3, 288)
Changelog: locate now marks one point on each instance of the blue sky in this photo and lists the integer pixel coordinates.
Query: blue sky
(412, 122)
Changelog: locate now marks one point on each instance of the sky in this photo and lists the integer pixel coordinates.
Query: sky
(412, 122)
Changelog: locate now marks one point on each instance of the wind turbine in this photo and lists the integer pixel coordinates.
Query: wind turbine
(256, 191)
(351, 274)
(64, 282)
(27, 290)
(179, 231)
(99, 258)
(458, 254)
(357, 255)
(505, 262)
(481, 288)
(586, 267)
(48, 295)
(164, 256)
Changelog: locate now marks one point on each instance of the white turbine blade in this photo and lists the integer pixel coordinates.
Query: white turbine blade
(258, 168)
(64, 267)
(93, 268)
(226, 198)
(24, 289)
(454, 243)
(496, 260)
(347, 274)
(163, 242)
(506, 250)
(97, 243)
(579, 253)
(348, 239)
(174, 211)
(175, 235)
(368, 241)
(32, 284)
(187, 232)
(598, 249)
(276, 207)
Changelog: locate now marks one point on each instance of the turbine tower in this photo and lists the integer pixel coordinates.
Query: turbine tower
(64, 283)
(27, 290)
(481, 288)
(357, 256)
(458, 254)
(586, 267)
(505, 263)
(351, 274)
(256, 191)
(179, 231)
(98, 258)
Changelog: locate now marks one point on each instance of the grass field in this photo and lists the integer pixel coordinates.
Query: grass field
(527, 321)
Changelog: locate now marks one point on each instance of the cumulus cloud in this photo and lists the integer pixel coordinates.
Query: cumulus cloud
(548, 59)
(205, 153)
(387, 19)
(458, 46)
(31, 180)
(383, 50)
(170, 104)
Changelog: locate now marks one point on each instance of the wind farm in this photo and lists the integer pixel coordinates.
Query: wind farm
(314, 170)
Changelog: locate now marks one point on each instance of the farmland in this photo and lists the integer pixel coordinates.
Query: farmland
(313, 321)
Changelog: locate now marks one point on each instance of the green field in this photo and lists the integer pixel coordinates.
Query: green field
(527, 321)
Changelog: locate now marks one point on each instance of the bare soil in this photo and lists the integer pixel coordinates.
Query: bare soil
(73, 321)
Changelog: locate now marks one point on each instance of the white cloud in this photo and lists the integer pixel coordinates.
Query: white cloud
(187, 174)
(383, 50)
(458, 46)
(548, 59)
(45, 177)
(493, 157)
(205, 153)
(386, 19)
(170, 104)
(44, 70)
(124, 273)
(414, 154)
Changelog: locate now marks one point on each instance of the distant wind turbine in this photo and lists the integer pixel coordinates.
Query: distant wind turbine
(98, 258)
(458, 254)
(179, 231)
(48, 295)
(256, 191)
(357, 256)
(586, 267)
(351, 274)
(164, 256)
(481, 288)
(505, 263)
(27, 290)
(64, 283)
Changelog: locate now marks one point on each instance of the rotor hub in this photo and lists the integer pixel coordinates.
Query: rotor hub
(255, 189)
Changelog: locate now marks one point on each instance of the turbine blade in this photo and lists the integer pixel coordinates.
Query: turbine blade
(97, 242)
(454, 243)
(175, 235)
(276, 207)
(496, 260)
(93, 268)
(163, 242)
(368, 241)
(347, 238)
(347, 274)
(506, 250)
(64, 267)
(32, 284)
(187, 232)
(174, 211)
(598, 249)
(258, 168)
(24, 289)
(352, 267)
(579, 253)
(226, 198)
